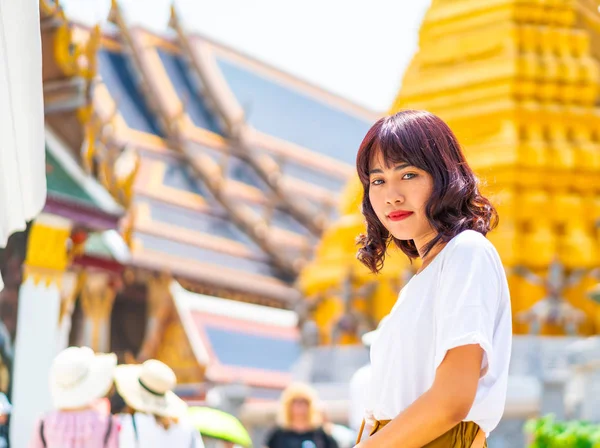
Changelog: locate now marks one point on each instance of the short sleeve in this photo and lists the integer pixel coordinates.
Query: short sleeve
(467, 298)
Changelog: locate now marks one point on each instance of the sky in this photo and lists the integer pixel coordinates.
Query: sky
(353, 48)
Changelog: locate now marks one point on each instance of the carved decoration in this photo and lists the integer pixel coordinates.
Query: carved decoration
(123, 174)
(70, 288)
(176, 351)
(76, 58)
(97, 297)
(160, 307)
(553, 308)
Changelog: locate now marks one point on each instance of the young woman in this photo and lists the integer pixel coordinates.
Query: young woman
(79, 380)
(440, 361)
(300, 424)
(151, 415)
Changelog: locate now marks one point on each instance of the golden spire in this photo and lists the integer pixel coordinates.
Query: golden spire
(173, 18)
(114, 14)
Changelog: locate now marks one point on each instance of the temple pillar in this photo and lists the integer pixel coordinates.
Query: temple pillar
(71, 284)
(37, 323)
(97, 297)
(158, 311)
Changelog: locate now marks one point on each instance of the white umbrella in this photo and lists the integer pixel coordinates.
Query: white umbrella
(22, 155)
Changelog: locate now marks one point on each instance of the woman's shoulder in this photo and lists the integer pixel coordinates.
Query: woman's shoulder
(470, 239)
(470, 251)
(470, 243)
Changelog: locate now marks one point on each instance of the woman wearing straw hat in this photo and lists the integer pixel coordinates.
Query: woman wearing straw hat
(78, 380)
(152, 415)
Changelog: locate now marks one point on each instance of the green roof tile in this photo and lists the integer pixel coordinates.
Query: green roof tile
(61, 185)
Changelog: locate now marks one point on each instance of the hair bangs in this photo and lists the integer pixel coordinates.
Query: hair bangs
(395, 147)
(393, 144)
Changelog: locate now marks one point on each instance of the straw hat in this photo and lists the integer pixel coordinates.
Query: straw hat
(78, 377)
(149, 388)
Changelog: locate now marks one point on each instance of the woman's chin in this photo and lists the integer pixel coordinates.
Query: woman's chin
(403, 236)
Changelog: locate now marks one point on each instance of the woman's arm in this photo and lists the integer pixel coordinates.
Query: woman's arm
(438, 410)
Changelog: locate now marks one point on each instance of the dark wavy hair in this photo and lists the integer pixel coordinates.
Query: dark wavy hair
(424, 141)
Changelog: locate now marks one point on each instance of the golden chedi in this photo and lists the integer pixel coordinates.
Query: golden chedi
(518, 81)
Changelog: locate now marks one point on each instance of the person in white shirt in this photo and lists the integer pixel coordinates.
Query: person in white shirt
(153, 416)
(440, 361)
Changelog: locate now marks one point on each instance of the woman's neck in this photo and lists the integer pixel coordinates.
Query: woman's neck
(422, 242)
(429, 257)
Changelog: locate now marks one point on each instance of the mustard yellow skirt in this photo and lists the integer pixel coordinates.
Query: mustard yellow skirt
(463, 435)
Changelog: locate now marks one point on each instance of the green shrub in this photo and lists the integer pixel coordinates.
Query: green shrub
(546, 432)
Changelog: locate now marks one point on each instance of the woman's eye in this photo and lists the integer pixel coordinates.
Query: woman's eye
(408, 176)
(376, 182)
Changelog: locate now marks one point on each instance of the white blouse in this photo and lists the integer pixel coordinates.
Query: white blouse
(147, 433)
(461, 298)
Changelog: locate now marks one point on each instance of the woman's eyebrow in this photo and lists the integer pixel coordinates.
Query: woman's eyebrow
(402, 166)
(380, 171)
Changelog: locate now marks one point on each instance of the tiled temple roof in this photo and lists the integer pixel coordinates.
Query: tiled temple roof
(239, 165)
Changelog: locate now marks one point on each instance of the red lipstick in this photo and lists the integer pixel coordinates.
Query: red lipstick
(399, 215)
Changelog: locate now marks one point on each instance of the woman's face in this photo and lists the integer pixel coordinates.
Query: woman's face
(398, 195)
(299, 410)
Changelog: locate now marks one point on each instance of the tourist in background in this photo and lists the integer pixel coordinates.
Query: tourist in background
(300, 423)
(152, 416)
(439, 364)
(78, 379)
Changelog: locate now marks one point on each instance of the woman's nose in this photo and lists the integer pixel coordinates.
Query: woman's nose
(395, 198)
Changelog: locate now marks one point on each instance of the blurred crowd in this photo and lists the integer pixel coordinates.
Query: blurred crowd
(99, 404)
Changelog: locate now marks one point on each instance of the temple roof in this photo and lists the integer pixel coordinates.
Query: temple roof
(78, 196)
(238, 165)
(74, 194)
(277, 106)
(239, 342)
